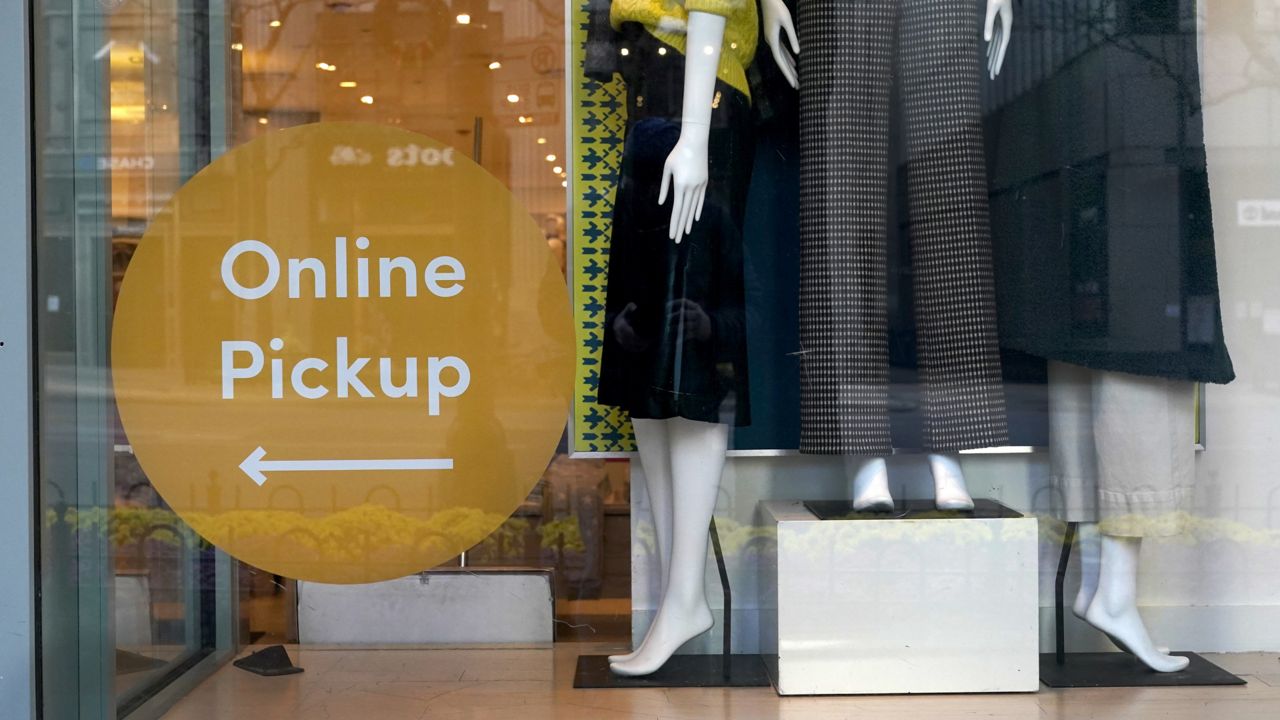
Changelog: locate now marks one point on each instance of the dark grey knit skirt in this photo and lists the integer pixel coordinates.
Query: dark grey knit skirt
(852, 53)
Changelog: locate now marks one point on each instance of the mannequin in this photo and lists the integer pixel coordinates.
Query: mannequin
(1128, 322)
(683, 457)
(868, 474)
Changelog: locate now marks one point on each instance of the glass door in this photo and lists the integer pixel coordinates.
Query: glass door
(131, 599)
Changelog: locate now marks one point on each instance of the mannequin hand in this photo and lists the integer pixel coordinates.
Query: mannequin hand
(777, 18)
(997, 37)
(685, 175)
(690, 315)
(625, 333)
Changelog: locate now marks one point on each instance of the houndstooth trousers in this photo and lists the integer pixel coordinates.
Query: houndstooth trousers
(847, 67)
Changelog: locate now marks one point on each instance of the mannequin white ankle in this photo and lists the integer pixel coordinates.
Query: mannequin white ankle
(949, 487)
(1083, 599)
(870, 484)
(671, 629)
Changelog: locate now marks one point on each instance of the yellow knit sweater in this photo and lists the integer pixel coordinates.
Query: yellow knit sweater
(668, 21)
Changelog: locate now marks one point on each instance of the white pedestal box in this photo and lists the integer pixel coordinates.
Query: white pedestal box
(447, 606)
(921, 603)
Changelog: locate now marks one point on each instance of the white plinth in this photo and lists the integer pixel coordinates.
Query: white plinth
(900, 605)
(472, 606)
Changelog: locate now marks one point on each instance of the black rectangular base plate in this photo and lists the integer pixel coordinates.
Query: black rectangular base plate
(1117, 669)
(680, 671)
(910, 509)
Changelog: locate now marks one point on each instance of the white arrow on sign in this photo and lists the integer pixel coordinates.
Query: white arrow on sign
(256, 468)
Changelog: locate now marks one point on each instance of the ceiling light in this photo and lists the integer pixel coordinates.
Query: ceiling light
(625, 52)
(551, 158)
(662, 51)
(347, 83)
(238, 47)
(464, 19)
(542, 141)
(326, 67)
(263, 121)
(564, 183)
(524, 119)
(513, 98)
(557, 169)
(367, 99)
(275, 23)
(495, 65)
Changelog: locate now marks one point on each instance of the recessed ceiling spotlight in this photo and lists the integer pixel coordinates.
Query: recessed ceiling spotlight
(263, 121)
(551, 158)
(274, 24)
(542, 141)
(238, 47)
(464, 19)
(513, 98)
(557, 169)
(367, 99)
(326, 67)
(495, 65)
(347, 83)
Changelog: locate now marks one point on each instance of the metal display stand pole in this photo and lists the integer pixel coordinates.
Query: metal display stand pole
(723, 670)
(1061, 669)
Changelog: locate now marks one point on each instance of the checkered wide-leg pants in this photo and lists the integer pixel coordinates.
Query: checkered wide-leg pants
(847, 67)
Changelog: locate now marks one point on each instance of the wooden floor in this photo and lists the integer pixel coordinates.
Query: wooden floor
(538, 685)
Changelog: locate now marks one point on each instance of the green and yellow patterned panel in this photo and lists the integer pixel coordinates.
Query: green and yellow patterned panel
(598, 116)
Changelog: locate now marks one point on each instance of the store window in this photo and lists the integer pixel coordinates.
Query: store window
(903, 345)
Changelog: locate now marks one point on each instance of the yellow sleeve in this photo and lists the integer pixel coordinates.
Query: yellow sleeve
(726, 8)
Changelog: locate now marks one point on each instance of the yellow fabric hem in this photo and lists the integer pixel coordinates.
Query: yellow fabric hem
(730, 70)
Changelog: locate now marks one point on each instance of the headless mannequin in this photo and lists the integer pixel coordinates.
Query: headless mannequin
(869, 476)
(683, 459)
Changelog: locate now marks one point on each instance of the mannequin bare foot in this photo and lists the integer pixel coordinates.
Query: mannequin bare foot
(950, 491)
(671, 629)
(1114, 609)
(1124, 627)
(870, 484)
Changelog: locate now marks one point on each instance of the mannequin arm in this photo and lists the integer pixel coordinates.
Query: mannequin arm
(685, 173)
(997, 37)
(777, 19)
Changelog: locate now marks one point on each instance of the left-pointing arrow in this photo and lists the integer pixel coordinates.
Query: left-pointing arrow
(256, 467)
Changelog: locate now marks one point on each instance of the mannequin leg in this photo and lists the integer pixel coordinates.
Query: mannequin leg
(949, 489)
(1114, 609)
(1090, 561)
(655, 457)
(870, 477)
(697, 461)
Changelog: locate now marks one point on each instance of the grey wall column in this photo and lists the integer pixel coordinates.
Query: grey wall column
(17, 467)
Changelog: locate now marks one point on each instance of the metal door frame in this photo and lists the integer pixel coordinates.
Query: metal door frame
(18, 615)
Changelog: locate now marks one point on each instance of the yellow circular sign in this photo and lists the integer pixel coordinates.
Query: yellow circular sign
(342, 353)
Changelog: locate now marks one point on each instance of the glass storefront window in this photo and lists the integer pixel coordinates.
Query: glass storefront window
(934, 314)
